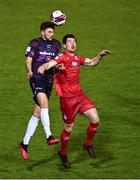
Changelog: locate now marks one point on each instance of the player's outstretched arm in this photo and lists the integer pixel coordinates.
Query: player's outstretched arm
(94, 61)
(28, 65)
(46, 66)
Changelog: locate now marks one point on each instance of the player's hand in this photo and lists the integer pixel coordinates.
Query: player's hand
(41, 69)
(30, 74)
(60, 66)
(104, 53)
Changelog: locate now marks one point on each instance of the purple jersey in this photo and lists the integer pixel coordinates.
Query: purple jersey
(42, 51)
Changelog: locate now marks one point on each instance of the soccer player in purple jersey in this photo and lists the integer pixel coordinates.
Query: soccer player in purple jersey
(39, 51)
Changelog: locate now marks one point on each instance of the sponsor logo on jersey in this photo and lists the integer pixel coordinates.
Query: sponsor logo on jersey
(47, 53)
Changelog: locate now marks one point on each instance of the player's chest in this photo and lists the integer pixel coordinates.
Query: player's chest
(46, 52)
(72, 64)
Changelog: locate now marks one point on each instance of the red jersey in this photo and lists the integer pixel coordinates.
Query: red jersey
(67, 81)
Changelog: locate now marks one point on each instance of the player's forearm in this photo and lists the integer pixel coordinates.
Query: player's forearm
(93, 62)
(46, 66)
(49, 65)
(96, 60)
(99, 57)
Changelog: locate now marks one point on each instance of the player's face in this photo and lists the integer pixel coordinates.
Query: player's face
(48, 34)
(70, 45)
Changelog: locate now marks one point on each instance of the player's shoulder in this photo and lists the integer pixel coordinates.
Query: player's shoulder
(79, 56)
(35, 41)
(60, 55)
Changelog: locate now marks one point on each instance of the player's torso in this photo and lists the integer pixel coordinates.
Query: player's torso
(44, 52)
(68, 79)
(72, 69)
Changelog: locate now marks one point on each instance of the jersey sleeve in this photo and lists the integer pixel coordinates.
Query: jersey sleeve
(82, 60)
(59, 59)
(30, 51)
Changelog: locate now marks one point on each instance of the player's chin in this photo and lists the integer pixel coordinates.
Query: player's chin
(50, 38)
(73, 50)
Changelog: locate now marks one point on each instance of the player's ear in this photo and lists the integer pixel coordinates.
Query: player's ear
(42, 33)
(64, 46)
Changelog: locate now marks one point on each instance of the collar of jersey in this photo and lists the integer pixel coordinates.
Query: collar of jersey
(69, 55)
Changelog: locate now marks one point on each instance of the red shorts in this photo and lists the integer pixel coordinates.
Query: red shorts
(70, 106)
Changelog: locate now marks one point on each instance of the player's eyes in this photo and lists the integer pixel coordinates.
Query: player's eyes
(50, 32)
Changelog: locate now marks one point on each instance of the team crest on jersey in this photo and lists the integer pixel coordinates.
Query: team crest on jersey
(74, 63)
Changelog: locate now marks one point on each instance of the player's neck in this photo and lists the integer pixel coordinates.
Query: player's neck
(45, 39)
(71, 53)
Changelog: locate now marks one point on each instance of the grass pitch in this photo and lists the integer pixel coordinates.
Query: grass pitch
(113, 86)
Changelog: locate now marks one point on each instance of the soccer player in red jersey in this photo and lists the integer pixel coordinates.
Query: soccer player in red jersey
(72, 98)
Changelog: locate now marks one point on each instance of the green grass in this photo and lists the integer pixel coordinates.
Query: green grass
(113, 86)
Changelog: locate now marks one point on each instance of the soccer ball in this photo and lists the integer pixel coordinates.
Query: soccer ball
(58, 18)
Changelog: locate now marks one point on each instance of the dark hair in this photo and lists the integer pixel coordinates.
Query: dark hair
(64, 40)
(45, 25)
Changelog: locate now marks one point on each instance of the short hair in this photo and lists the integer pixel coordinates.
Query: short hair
(64, 40)
(45, 25)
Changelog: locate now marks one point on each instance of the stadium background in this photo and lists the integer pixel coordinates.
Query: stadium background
(113, 86)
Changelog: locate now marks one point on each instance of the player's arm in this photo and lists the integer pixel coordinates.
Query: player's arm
(29, 53)
(46, 66)
(61, 65)
(28, 65)
(94, 61)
